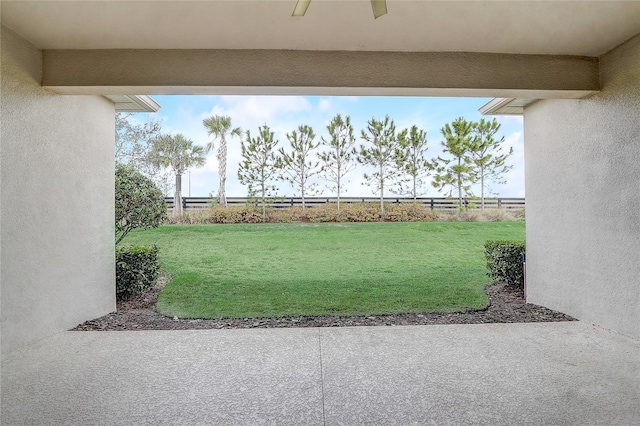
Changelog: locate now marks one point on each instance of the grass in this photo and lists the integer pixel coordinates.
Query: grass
(240, 271)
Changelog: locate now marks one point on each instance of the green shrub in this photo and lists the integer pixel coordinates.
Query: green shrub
(137, 269)
(505, 262)
(139, 204)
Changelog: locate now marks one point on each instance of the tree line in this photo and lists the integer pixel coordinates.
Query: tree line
(472, 154)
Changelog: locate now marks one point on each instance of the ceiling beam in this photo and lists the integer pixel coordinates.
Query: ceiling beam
(318, 72)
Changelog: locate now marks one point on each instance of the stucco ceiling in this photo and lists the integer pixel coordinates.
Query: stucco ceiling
(522, 27)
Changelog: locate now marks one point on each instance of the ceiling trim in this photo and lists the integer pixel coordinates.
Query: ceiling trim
(134, 103)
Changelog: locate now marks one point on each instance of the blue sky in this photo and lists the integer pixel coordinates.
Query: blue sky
(184, 114)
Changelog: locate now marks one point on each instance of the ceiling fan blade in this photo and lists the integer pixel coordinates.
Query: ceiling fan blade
(301, 7)
(379, 8)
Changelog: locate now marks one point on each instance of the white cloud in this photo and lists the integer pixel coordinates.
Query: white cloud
(507, 120)
(515, 177)
(325, 104)
(253, 111)
(281, 113)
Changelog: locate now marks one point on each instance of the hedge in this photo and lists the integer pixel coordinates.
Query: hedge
(349, 212)
(139, 204)
(505, 262)
(137, 269)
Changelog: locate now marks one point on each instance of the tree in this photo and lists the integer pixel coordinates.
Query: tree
(337, 160)
(381, 154)
(132, 146)
(139, 202)
(220, 127)
(485, 154)
(177, 153)
(455, 173)
(132, 140)
(297, 166)
(412, 162)
(259, 164)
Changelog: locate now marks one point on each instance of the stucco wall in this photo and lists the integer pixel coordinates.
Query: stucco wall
(57, 196)
(583, 198)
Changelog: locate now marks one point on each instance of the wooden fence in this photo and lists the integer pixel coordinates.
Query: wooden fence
(440, 203)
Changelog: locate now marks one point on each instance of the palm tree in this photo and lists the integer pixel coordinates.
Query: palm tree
(177, 153)
(220, 127)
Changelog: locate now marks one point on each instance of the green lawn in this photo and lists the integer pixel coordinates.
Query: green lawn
(238, 271)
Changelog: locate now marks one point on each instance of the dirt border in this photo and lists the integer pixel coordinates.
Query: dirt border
(506, 305)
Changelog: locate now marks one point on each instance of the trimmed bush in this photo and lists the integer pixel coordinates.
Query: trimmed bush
(505, 262)
(137, 270)
(139, 202)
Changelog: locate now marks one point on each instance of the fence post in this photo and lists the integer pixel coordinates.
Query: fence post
(499, 202)
(432, 203)
(184, 203)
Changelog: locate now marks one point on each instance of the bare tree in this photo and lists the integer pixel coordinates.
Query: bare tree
(132, 147)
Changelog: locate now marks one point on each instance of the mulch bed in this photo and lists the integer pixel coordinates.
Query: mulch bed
(506, 305)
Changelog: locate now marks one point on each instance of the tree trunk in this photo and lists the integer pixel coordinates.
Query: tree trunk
(338, 189)
(222, 163)
(459, 185)
(264, 210)
(381, 203)
(302, 185)
(482, 189)
(177, 200)
(381, 194)
(415, 196)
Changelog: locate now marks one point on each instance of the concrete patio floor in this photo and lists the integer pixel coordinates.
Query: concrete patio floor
(498, 374)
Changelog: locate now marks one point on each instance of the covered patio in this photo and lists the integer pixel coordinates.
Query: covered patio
(570, 68)
(500, 374)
